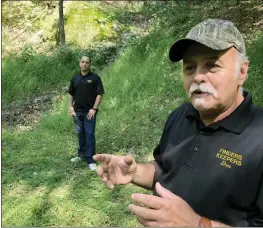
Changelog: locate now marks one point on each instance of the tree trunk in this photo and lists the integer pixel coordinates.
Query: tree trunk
(61, 24)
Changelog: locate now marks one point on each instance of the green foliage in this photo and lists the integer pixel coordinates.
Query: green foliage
(65, 54)
(254, 82)
(93, 24)
(30, 73)
(13, 12)
(27, 53)
(143, 95)
(86, 24)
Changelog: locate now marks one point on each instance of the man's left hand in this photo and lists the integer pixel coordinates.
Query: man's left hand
(91, 114)
(164, 211)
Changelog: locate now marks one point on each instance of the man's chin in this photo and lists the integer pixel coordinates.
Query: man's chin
(200, 108)
(205, 108)
(201, 105)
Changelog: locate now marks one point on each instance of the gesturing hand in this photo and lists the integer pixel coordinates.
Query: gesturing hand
(115, 170)
(164, 211)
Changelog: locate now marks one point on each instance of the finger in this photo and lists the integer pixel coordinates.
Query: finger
(125, 163)
(150, 201)
(152, 223)
(163, 192)
(145, 213)
(102, 169)
(109, 184)
(128, 159)
(102, 157)
(101, 173)
(141, 220)
(103, 178)
(147, 223)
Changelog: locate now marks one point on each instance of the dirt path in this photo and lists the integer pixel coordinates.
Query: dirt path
(29, 112)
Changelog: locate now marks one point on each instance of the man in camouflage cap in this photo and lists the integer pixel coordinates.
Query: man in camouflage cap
(208, 167)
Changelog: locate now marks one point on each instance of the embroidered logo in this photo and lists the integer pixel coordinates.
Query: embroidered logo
(89, 81)
(229, 158)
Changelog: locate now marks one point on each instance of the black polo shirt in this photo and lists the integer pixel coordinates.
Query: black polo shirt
(84, 89)
(216, 169)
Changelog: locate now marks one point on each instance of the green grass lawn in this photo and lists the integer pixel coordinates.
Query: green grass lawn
(41, 187)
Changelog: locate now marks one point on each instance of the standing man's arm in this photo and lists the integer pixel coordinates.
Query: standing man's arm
(100, 92)
(70, 103)
(97, 102)
(95, 107)
(70, 98)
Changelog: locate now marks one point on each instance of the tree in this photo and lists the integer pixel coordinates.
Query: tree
(61, 23)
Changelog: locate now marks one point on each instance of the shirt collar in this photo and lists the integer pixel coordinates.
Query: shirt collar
(85, 74)
(237, 121)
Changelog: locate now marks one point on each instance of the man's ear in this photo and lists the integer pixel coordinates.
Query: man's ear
(243, 73)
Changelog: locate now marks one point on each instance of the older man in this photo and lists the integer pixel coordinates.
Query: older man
(208, 167)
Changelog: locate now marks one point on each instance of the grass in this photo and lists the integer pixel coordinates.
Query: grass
(30, 74)
(255, 79)
(40, 187)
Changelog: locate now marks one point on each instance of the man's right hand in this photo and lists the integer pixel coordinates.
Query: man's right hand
(115, 170)
(72, 111)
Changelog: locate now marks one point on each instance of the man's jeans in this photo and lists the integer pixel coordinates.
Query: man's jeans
(85, 129)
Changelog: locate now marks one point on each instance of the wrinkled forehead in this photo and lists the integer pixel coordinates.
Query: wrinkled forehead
(85, 58)
(199, 51)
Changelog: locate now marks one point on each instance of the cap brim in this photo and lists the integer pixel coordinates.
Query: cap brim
(178, 49)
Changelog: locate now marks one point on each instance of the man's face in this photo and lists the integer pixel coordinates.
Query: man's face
(84, 63)
(210, 78)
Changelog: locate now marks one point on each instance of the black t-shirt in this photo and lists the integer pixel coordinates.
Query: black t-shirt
(84, 90)
(216, 169)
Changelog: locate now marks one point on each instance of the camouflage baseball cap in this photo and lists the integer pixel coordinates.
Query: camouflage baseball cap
(214, 33)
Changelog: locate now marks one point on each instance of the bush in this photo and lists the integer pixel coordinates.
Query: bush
(29, 73)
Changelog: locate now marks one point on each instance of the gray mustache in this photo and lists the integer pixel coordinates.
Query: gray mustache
(201, 88)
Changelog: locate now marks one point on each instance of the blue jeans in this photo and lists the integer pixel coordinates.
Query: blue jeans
(85, 129)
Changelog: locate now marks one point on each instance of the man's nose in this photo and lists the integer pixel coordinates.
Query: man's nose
(200, 76)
